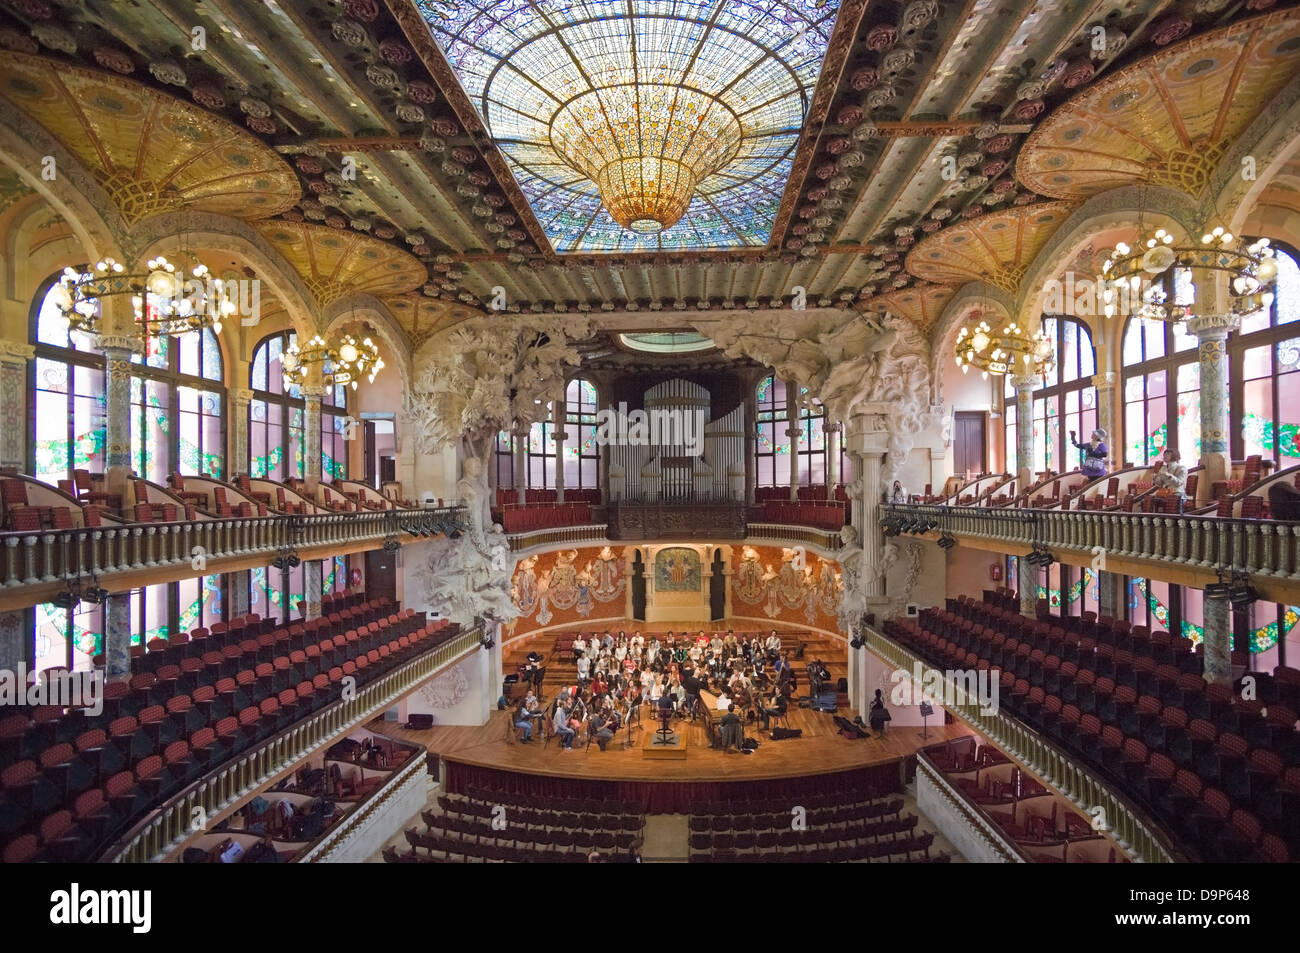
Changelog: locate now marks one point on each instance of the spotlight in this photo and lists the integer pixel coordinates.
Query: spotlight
(486, 641)
(67, 599)
(947, 542)
(856, 642)
(95, 595)
(1242, 594)
(294, 561)
(1218, 590)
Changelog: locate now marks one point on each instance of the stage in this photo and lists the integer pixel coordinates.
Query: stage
(821, 750)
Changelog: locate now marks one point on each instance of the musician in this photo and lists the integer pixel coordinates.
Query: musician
(601, 729)
(561, 725)
(599, 687)
(523, 721)
(733, 730)
(776, 704)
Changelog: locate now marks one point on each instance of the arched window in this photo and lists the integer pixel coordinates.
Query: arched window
(581, 453)
(1264, 368)
(1162, 383)
(177, 397)
(177, 394)
(68, 396)
(1066, 402)
(277, 414)
(772, 449)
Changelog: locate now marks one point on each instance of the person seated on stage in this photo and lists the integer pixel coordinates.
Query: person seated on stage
(561, 725)
(599, 686)
(530, 698)
(878, 715)
(620, 651)
(600, 729)
(695, 653)
(715, 644)
(584, 668)
(579, 646)
(775, 704)
(523, 720)
(578, 715)
(773, 644)
(652, 649)
(733, 730)
(607, 640)
(679, 695)
(638, 640)
(656, 689)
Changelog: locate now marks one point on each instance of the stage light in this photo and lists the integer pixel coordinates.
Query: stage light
(1242, 595)
(67, 599)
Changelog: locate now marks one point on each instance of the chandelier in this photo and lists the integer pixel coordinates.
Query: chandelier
(1137, 279)
(164, 300)
(1008, 351)
(343, 363)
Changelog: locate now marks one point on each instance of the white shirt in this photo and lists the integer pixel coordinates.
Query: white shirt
(723, 702)
(774, 643)
(620, 653)
(579, 645)
(583, 666)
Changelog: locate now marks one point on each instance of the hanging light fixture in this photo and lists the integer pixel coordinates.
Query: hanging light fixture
(166, 300)
(1157, 277)
(344, 362)
(1010, 350)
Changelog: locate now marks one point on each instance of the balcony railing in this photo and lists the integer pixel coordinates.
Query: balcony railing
(222, 788)
(50, 558)
(1261, 548)
(1140, 839)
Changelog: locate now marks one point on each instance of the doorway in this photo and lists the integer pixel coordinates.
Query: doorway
(970, 446)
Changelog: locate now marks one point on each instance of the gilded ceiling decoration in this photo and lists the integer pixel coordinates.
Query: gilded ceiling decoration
(634, 127)
(150, 152)
(921, 304)
(996, 248)
(335, 264)
(1167, 119)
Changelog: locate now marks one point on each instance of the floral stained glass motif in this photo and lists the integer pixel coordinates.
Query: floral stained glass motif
(1261, 640)
(660, 71)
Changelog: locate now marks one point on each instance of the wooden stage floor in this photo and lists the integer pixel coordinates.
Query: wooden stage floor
(821, 750)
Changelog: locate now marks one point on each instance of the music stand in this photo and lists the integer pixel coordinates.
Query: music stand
(926, 711)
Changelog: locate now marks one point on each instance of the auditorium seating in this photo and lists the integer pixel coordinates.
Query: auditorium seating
(564, 830)
(191, 704)
(1222, 773)
(827, 828)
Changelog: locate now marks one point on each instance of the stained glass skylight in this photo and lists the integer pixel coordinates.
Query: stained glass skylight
(682, 116)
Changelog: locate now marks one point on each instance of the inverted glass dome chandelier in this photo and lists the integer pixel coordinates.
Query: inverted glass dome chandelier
(647, 147)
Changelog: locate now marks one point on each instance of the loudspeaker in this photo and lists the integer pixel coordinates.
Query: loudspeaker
(419, 722)
(913, 609)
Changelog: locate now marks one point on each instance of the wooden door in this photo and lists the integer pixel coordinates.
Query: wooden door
(381, 574)
(970, 449)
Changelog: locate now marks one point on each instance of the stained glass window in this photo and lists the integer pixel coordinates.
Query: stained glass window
(581, 453)
(750, 69)
(1161, 383)
(1264, 371)
(1066, 402)
(276, 418)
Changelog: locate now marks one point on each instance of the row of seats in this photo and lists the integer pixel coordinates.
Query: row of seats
(119, 765)
(821, 515)
(616, 818)
(804, 494)
(589, 495)
(528, 517)
(1218, 786)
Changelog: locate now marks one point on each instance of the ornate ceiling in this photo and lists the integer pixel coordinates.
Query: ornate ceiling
(927, 128)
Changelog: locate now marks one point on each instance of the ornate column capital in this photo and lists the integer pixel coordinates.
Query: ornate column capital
(1107, 379)
(1213, 327)
(241, 395)
(1024, 383)
(121, 342)
(14, 352)
(313, 391)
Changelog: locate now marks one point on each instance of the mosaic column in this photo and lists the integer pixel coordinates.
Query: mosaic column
(1025, 429)
(13, 403)
(1107, 594)
(832, 432)
(1027, 585)
(1105, 385)
(311, 588)
(792, 431)
(117, 637)
(1211, 331)
(1217, 647)
(117, 410)
(558, 435)
(520, 435)
(286, 590)
(237, 593)
(311, 462)
(13, 635)
(239, 459)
